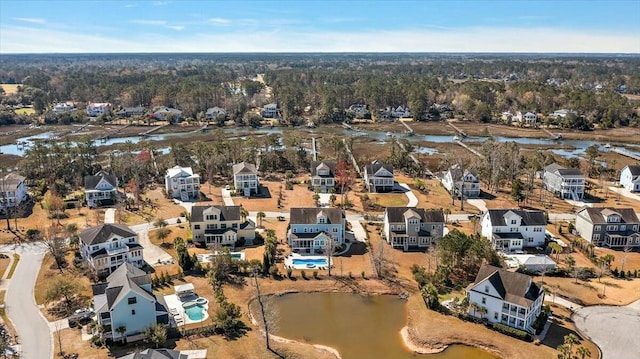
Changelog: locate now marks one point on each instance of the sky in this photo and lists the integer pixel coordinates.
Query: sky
(77, 26)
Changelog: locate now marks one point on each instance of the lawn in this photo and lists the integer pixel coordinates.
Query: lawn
(165, 208)
(10, 89)
(299, 196)
(71, 340)
(618, 291)
(389, 199)
(4, 263)
(25, 111)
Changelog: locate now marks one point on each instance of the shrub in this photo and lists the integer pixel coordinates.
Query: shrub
(512, 332)
(178, 221)
(315, 274)
(289, 273)
(303, 274)
(363, 275)
(350, 275)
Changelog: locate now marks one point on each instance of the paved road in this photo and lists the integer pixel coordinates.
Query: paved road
(33, 330)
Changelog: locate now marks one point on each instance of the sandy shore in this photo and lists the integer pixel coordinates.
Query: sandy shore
(409, 343)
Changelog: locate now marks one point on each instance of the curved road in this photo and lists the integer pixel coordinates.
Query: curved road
(33, 330)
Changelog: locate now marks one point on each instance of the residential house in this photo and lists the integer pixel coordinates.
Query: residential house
(560, 114)
(566, 183)
(156, 354)
(13, 190)
(126, 302)
(407, 228)
(616, 228)
(526, 117)
(359, 111)
(270, 110)
(511, 230)
(378, 177)
(128, 112)
(96, 109)
(507, 116)
(64, 107)
(630, 178)
(323, 175)
(400, 112)
(101, 188)
(181, 182)
(216, 114)
(107, 246)
(221, 225)
(311, 228)
(509, 298)
(455, 179)
(168, 114)
(245, 178)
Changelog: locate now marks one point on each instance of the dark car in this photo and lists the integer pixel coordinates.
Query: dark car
(80, 319)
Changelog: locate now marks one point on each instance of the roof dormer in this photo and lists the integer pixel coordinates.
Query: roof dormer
(611, 216)
(322, 218)
(511, 219)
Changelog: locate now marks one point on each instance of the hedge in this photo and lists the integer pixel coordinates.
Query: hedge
(512, 332)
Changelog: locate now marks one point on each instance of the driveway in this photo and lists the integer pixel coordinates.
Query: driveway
(413, 200)
(358, 231)
(226, 197)
(153, 254)
(625, 192)
(478, 203)
(613, 329)
(33, 330)
(110, 215)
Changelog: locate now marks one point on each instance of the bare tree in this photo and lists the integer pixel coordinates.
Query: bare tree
(379, 261)
(268, 315)
(329, 250)
(56, 245)
(625, 251)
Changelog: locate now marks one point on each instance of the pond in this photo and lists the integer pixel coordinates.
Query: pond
(359, 327)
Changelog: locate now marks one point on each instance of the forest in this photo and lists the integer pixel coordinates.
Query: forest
(320, 87)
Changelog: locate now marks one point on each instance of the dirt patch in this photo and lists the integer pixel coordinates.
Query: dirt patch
(71, 340)
(299, 196)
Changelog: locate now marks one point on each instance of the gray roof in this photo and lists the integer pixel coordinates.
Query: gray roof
(243, 167)
(99, 234)
(271, 106)
(310, 215)
(121, 282)
(11, 182)
(562, 171)
(90, 182)
(396, 214)
(596, 214)
(457, 174)
(155, 354)
(371, 169)
(227, 213)
(215, 111)
(635, 170)
(329, 163)
(165, 110)
(132, 110)
(529, 218)
(513, 287)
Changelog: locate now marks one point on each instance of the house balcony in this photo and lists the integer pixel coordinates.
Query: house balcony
(116, 251)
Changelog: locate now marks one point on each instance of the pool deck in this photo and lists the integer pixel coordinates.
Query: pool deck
(177, 311)
(208, 258)
(288, 261)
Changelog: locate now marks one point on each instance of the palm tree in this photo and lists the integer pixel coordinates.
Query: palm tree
(121, 330)
(243, 213)
(446, 212)
(160, 223)
(260, 216)
(430, 295)
(475, 307)
(570, 340)
(482, 311)
(584, 352)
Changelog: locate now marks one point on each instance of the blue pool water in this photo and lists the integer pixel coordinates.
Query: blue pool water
(318, 262)
(195, 313)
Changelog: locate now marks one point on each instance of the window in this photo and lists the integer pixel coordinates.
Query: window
(623, 227)
(335, 230)
(635, 227)
(132, 300)
(486, 289)
(596, 237)
(133, 312)
(234, 225)
(223, 226)
(484, 300)
(197, 226)
(513, 221)
(612, 228)
(597, 228)
(495, 316)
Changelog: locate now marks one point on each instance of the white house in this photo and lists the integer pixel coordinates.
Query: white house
(630, 178)
(100, 188)
(610, 227)
(509, 298)
(245, 178)
(311, 228)
(507, 116)
(560, 114)
(13, 190)
(126, 301)
(107, 246)
(182, 183)
(513, 229)
(323, 175)
(168, 114)
(221, 225)
(406, 227)
(156, 354)
(400, 112)
(566, 183)
(526, 117)
(216, 113)
(455, 178)
(270, 111)
(96, 109)
(64, 107)
(378, 177)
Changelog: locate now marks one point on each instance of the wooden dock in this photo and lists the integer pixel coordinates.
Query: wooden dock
(148, 132)
(470, 149)
(315, 148)
(555, 136)
(413, 158)
(204, 128)
(626, 153)
(409, 129)
(111, 134)
(353, 159)
(347, 126)
(462, 133)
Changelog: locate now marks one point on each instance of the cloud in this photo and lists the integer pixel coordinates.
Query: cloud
(32, 20)
(17, 39)
(131, 5)
(219, 21)
(161, 3)
(175, 27)
(149, 22)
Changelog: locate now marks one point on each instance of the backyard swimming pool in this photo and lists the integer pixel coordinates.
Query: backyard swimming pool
(194, 311)
(309, 262)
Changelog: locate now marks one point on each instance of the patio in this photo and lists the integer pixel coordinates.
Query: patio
(184, 294)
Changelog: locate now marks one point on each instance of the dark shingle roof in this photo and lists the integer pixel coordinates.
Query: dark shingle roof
(90, 182)
(155, 354)
(371, 169)
(635, 170)
(595, 214)
(310, 215)
(396, 214)
(329, 163)
(227, 213)
(101, 233)
(513, 287)
(125, 279)
(529, 218)
(563, 171)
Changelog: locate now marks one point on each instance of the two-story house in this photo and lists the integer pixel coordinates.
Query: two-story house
(616, 228)
(245, 178)
(378, 177)
(509, 298)
(359, 111)
(125, 304)
(630, 178)
(221, 225)
(107, 246)
(455, 179)
(407, 228)
(128, 112)
(182, 183)
(64, 107)
(513, 229)
(526, 117)
(566, 183)
(311, 228)
(168, 114)
(13, 190)
(100, 189)
(323, 176)
(270, 111)
(96, 109)
(215, 114)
